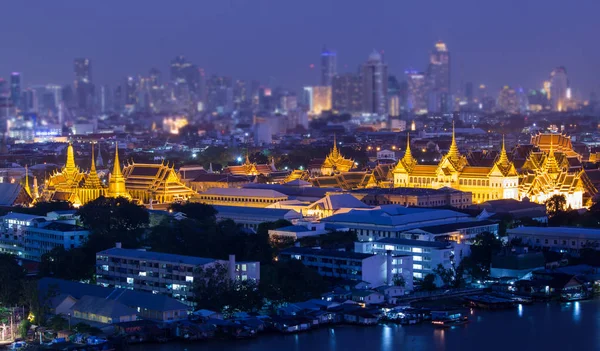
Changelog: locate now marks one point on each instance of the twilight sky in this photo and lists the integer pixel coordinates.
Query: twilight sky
(515, 42)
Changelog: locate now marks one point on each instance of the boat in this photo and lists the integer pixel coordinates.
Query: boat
(448, 318)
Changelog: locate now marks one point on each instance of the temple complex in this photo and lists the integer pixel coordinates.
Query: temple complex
(500, 181)
(116, 182)
(335, 162)
(250, 169)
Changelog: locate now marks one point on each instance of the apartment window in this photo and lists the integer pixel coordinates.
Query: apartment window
(573, 243)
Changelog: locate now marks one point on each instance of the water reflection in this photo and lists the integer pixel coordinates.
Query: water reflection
(576, 311)
(386, 338)
(520, 309)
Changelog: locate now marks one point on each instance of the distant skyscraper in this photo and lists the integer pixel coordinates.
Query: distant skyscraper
(321, 100)
(559, 85)
(219, 94)
(346, 94)
(84, 89)
(508, 101)
(105, 99)
(15, 88)
(374, 84)
(328, 66)
(187, 78)
(469, 93)
(438, 74)
(417, 91)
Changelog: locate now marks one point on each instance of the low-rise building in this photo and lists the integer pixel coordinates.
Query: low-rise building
(161, 273)
(251, 217)
(43, 237)
(341, 264)
(29, 236)
(567, 239)
(418, 197)
(426, 255)
(107, 305)
(390, 221)
(207, 181)
(458, 232)
(516, 264)
(240, 197)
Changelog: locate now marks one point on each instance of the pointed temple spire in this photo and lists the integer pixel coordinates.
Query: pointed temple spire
(551, 163)
(247, 157)
(116, 184)
(27, 189)
(70, 165)
(408, 157)
(503, 156)
(93, 181)
(453, 153)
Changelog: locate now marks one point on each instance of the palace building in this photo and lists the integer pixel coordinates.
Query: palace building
(154, 183)
(72, 185)
(500, 181)
(554, 168)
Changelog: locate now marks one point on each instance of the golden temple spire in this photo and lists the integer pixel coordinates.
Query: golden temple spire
(551, 163)
(27, 189)
(70, 165)
(247, 157)
(408, 157)
(453, 152)
(503, 156)
(93, 181)
(116, 184)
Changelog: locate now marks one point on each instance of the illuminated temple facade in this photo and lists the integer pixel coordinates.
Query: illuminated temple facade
(72, 185)
(144, 183)
(554, 168)
(499, 181)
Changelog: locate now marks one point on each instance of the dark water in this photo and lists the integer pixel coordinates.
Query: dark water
(551, 326)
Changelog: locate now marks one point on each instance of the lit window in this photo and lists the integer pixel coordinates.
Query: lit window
(417, 258)
(189, 279)
(417, 266)
(417, 249)
(129, 280)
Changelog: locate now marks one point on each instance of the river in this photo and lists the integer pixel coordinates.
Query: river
(543, 326)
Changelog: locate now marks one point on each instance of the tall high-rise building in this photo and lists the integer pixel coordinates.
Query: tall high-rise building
(559, 85)
(187, 78)
(469, 93)
(346, 93)
(105, 99)
(15, 88)
(508, 100)
(328, 66)
(84, 88)
(219, 94)
(374, 84)
(417, 91)
(438, 74)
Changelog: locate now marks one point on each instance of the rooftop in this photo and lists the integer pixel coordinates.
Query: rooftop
(254, 211)
(394, 215)
(156, 256)
(575, 233)
(244, 192)
(452, 227)
(410, 242)
(326, 253)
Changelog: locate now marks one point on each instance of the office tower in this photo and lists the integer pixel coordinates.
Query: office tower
(105, 103)
(469, 93)
(374, 85)
(188, 79)
(394, 105)
(508, 101)
(438, 76)
(241, 94)
(417, 91)
(84, 89)
(4, 91)
(321, 100)
(130, 97)
(15, 88)
(346, 94)
(559, 84)
(30, 101)
(328, 66)
(219, 95)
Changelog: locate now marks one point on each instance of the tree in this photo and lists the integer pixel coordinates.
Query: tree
(428, 283)
(399, 280)
(11, 279)
(203, 213)
(114, 220)
(555, 205)
(73, 264)
(485, 245)
(447, 275)
(214, 290)
(290, 281)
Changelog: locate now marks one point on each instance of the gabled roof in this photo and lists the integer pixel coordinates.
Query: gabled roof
(103, 307)
(339, 201)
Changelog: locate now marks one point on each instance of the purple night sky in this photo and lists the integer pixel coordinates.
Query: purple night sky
(515, 42)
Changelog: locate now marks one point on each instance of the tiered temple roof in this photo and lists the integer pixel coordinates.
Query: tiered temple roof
(158, 182)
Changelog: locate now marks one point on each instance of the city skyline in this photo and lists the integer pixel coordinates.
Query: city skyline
(280, 48)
